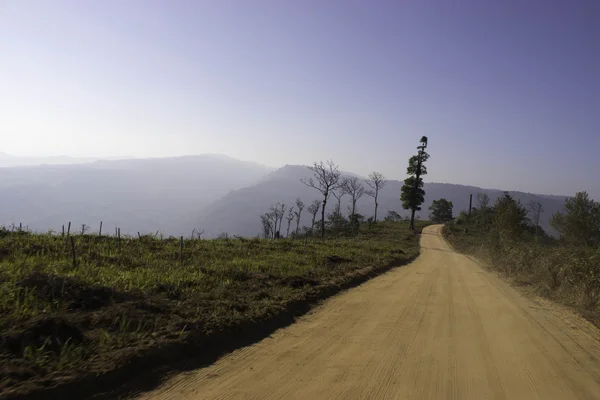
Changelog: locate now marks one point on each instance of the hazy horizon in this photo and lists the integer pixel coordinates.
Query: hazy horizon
(273, 167)
(508, 94)
(212, 193)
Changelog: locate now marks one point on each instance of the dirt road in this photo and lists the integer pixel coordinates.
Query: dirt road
(439, 328)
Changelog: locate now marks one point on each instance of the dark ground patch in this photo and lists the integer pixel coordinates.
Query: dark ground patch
(73, 293)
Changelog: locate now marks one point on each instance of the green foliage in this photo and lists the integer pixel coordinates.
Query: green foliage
(393, 216)
(441, 211)
(138, 292)
(337, 224)
(510, 218)
(483, 214)
(336, 221)
(412, 194)
(580, 223)
(356, 220)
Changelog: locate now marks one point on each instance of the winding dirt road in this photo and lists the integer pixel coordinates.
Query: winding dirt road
(439, 328)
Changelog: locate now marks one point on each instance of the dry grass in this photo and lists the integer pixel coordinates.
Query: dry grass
(566, 274)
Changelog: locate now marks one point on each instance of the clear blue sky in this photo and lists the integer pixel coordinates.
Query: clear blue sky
(508, 92)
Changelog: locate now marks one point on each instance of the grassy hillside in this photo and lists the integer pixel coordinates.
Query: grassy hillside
(63, 319)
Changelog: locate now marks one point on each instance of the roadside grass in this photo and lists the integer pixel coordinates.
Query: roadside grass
(62, 318)
(566, 274)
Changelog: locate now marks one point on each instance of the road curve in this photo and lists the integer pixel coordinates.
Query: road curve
(439, 328)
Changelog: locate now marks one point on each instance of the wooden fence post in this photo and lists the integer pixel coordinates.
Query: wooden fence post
(181, 250)
(73, 252)
(100, 231)
(470, 203)
(69, 229)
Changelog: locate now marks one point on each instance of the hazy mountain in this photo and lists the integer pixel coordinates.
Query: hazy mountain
(239, 211)
(142, 195)
(213, 193)
(7, 160)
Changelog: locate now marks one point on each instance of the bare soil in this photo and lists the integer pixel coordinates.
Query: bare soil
(439, 328)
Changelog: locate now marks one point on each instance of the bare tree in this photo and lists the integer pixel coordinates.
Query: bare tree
(313, 209)
(277, 212)
(483, 200)
(355, 189)
(338, 194)
(275, 221)
(300, 207)
(289, 219)
(281, 215)
(274, 216)
(327, 177)
(376, 182)
(198, 233)
(266, 225)
(269, 222)
(536, 209)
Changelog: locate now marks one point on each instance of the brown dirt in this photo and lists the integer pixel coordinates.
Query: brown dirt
(440, 328)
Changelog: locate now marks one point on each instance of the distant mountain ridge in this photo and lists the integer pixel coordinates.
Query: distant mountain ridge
(138, 195)
(174, 195)
(8, 160)
(238, 212)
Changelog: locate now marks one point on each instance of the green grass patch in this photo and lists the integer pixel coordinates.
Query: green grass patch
(63, 317)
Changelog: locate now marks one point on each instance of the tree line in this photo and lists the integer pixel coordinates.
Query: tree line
(510, 220)
(328, 181)
(563, 266)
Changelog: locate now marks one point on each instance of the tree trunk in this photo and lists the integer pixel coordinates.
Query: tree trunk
(376, 205)
(412, 219)
(323, 219)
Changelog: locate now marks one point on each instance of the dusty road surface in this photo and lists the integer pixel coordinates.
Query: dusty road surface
(439, 328)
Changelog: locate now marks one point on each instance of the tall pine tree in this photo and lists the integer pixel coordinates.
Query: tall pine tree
(412, 194)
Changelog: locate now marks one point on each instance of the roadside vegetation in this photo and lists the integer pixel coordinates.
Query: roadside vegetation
(62, 317)
(79, 305)
(508, 238)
